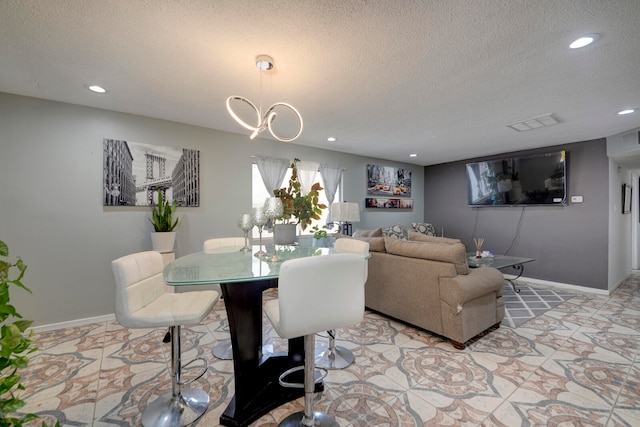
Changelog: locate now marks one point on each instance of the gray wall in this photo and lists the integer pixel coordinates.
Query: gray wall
(52, 214)
(569, 243)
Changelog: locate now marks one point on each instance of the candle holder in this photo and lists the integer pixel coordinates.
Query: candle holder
(245, 223)
(259, 218)
(273, 209)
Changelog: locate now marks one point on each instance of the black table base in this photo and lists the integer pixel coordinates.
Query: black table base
(257, 390)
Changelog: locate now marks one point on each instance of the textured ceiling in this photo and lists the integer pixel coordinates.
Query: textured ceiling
(387, 78)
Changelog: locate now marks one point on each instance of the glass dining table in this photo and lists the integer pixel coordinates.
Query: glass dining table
(242, 278)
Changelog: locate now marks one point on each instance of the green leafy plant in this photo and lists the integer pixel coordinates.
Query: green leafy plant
(162, 215)
(319, 233)
(15, 344)
(298, 208)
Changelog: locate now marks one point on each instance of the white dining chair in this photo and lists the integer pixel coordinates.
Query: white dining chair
(332, 356)
(223, 350)
(143, 302)
(316, 294)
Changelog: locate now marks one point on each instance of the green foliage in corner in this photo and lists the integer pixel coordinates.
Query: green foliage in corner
(15, 345)
(162, 215)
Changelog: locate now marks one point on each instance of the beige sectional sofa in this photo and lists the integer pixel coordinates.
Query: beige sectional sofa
(425, 281)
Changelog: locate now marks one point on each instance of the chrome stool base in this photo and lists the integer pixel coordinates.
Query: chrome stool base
(182, 410)
(333, 358)
(223, 350)
(320, 419)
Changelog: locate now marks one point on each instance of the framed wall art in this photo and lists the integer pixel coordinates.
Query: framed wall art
(133, 174)
(626, 198)
(388, 203)
(388, 181)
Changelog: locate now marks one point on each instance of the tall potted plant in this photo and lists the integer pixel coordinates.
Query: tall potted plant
(298, 208)
(15, 344)
(163, 238)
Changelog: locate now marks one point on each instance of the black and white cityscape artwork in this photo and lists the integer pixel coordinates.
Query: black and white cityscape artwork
(134, 173)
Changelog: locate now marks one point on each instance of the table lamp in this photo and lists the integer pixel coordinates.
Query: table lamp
(346, 213)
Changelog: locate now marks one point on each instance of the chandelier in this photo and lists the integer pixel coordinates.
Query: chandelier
(265, 121)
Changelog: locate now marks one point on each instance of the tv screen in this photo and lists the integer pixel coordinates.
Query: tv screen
(531, 180)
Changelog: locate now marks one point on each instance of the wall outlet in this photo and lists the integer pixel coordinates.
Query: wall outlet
(576, 199)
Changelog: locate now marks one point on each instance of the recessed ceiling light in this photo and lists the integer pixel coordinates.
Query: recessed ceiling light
(332, 139)
(96, 89)
(583, 41)
(413, 155)
(627, 111)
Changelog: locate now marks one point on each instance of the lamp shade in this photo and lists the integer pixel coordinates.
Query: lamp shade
(345, 212)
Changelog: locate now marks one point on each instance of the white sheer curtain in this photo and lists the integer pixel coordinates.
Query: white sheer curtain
(272, 170)
(331, 175)
(307, 172)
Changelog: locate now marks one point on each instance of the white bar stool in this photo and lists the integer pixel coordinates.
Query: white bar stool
(316, 294)
(331, 356)
(223, 349)
(143, 302)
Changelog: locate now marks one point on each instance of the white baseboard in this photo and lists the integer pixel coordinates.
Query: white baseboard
(112, 317)
(564, 286)
(72, 323)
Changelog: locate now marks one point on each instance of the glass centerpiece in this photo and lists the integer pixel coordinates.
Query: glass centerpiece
(260, 218)
(245, 223)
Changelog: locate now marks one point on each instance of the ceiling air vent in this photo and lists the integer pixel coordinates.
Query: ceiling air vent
(631, 140)
(534, 123)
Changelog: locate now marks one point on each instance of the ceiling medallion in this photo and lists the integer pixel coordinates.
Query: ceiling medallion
(265, 121)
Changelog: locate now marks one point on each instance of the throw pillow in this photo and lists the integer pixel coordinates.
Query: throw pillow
(452, 253)
(397, 231)
(376, 244)
(368, 233)
(424, 228)
(419, 237)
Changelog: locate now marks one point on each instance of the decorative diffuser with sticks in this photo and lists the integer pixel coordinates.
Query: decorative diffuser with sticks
(478, 243)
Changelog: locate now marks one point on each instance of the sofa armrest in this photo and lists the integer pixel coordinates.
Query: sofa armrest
(466, 287)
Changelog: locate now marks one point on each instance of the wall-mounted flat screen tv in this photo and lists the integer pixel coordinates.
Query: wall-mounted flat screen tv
(516, 181)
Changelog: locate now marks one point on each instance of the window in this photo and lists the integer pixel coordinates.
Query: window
(259, 193)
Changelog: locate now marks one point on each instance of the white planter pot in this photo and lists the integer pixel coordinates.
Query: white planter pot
(284, 234)
(320, 243)
(163, 241)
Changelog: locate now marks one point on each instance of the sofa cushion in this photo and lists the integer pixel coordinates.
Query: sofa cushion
(454, 253)
(419, 237)
(368, 233)
(376, 244)
(397, 231)
(424, 228)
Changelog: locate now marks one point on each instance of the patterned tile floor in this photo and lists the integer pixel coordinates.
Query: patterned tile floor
(575, 365)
